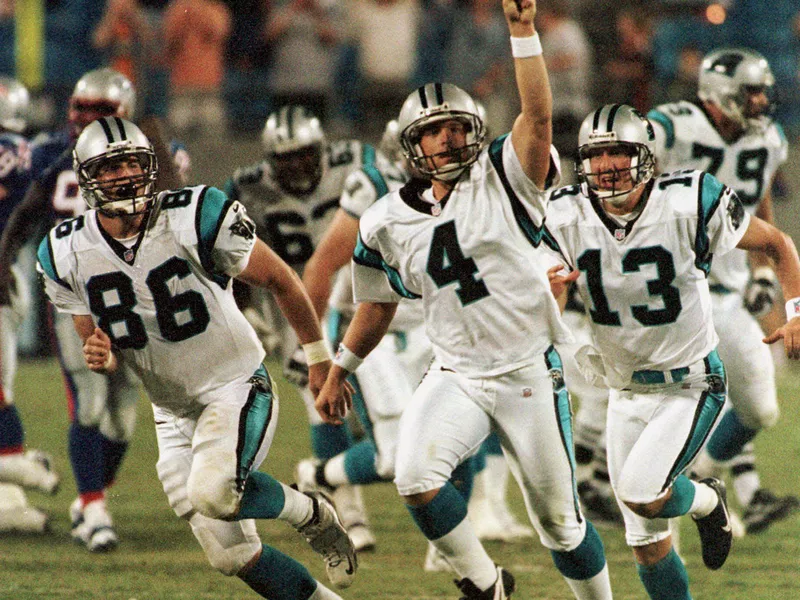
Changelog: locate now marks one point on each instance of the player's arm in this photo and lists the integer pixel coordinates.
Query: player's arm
(332, 253)
(366, 330)
(22, 224)
(764, 237)
(266, 269)
(532, 132)
(762, 288)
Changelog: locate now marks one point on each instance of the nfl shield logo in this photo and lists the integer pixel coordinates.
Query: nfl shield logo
(619, 234)
(436, 210)
(527, 392)
(128, 256)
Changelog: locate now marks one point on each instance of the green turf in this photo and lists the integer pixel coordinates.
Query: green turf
(158, 558)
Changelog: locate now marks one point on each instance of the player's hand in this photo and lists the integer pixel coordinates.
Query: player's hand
(790, 334)
(295, 369)
(97, 352)
(334, 399)
(559, 283)
(519, 11)
(761, 292)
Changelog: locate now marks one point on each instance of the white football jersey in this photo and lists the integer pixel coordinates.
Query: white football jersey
(167, 305)
(362, 189)
(293, 225)
(644, 283)
(473, 259)
(687, 139)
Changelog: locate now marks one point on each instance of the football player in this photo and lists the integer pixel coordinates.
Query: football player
(465, 241)
(146, 279)
(18, 468)
(728, 132)
(293, 195)
(102, 408)
(640, 249)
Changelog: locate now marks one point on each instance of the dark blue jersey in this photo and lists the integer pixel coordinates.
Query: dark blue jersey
(15, 173)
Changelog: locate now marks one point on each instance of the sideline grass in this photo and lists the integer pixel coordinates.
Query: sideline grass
(158, 558)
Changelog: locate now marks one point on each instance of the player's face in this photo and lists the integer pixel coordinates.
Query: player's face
(610, 166)
(118, 177)
(756, 101)
(443, 142)
(298, 172)
(84, 111)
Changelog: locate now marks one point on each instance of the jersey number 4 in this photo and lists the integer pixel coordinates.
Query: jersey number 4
(590, 263)
(179, 316)
(447, 264)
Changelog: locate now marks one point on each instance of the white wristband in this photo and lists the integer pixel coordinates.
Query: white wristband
(316, 352)
(525, 47)
(793, 308)
(346, 359)
(109, 360)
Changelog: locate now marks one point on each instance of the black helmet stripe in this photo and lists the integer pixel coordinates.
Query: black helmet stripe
(439, 95)
(596, 121)
(106, 129)
(121, 126)
(612, 113)
(289, 122)
(423, 99)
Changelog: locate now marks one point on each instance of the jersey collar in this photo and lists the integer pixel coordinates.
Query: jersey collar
(411, 194)
(618, 231)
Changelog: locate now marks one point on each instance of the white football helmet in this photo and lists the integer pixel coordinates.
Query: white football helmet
(616, 125)
(432, 103)
(101, 143)
(727, 78)
(14, 105)
(294, 143)
(100, 93)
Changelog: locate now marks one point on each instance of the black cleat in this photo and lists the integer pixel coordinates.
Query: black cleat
(766, 508)
(716, 535)
(503, 587)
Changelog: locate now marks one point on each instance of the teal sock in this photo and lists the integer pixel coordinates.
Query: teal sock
(441, 515)
(329, 440)
(681, 500)
(279, 577)
(729, 438)
(263, 497)
(359, 463)
(667, 579)
(586, 561)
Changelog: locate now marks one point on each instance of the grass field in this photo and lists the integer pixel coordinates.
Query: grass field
(158, 558)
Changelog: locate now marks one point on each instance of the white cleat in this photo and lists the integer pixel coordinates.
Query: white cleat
(92, 526)
(16, 515)
(326, 536)
(31, 470)
(362, 536)
(435, 561)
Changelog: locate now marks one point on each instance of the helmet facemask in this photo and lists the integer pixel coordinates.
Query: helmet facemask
(124, 195)
(615, 186)
(298, 172)
(460, 157)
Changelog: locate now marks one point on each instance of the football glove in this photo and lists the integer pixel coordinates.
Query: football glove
(295, 369)
(761, 292)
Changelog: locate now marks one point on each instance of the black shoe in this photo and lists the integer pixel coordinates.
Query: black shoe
(502, 588)
(716, 536)
(766, 508)
(601, 509)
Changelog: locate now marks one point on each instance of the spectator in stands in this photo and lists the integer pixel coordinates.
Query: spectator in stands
(246, 81)
(629, 73)
(195, 32)
(303, 37)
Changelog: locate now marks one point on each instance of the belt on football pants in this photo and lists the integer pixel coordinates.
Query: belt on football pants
(647, 377)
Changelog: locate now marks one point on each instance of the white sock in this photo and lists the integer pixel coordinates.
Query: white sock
(595, 588)
(745, 486)
(705, 500)
(297, 507)
(323, 593)
(463, 550)
(335, 474)
(705, 466)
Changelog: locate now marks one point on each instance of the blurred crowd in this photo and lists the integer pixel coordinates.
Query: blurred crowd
(213, 67)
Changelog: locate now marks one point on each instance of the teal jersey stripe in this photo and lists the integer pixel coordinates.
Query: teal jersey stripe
(781, 132)
(253, 423)
(212, 207)
(710, 194)
(663, 120)
(563, 415)
(45, 256)
(536, 235)
(708, 410)
(371, 170)
(231, 190)
(366, 256)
